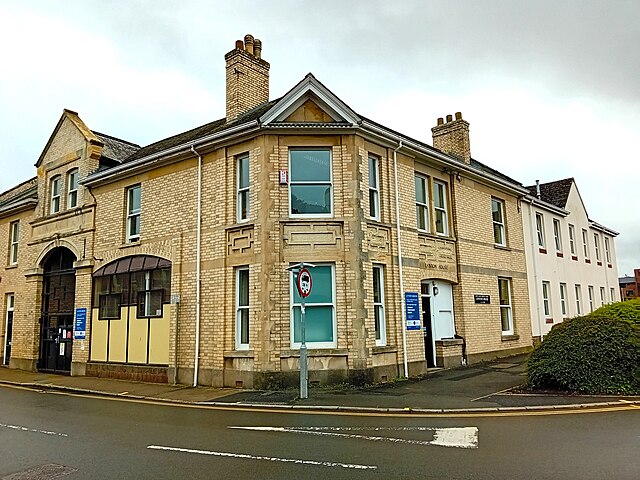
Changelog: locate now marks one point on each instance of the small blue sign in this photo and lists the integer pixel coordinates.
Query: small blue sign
(80, 325)
(412, 305)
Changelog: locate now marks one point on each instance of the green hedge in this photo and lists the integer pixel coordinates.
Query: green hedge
(629, 310)
(596, 354)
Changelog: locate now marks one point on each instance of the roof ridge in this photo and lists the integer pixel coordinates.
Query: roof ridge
(116, 138)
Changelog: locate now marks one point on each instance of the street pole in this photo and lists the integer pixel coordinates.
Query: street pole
(304, 367)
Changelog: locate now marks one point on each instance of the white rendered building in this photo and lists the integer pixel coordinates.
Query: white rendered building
(571, 260)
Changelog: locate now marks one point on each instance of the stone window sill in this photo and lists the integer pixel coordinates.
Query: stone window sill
(509, 338)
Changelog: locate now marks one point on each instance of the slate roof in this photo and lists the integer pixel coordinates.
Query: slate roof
(116, 148)
(626, 280)
(556, 193)
(24, 190)
(486, 169)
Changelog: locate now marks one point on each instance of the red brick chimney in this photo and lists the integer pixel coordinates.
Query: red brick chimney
(452, 137)
(247, 77)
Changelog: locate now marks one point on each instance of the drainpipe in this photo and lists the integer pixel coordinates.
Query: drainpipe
(534, 249)
(198, 237)
(402, 301)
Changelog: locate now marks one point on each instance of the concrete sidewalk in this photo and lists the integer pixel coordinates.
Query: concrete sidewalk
(478, 387)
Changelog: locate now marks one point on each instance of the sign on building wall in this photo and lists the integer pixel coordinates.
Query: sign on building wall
(80, 324)
(482, 299)
(412, 306)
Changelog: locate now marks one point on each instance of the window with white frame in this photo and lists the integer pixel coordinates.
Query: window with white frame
(563, 299)
(607, 251)
(540, 229)
(546, 300)
(422, 203)
(8, 326)
(556, 235)
(590, 290)
(242, 308)
(504, 295)
(72, 189)
(55, 194)
(242, 181)
(585, 244)
(572, 239)
(596, 245)
(612, 294)
(320, 319)
(310, 187)
(378, 305)
(133, 213)
(14, 239)
(497, 211)
(374, 187)
(602, 296)
(578, 289)
(440, 206)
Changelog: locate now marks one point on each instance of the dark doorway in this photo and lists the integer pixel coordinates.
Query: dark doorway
(9, 329)
(58, 299)
(427, 328)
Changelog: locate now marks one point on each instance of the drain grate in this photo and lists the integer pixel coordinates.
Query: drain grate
(42, 472)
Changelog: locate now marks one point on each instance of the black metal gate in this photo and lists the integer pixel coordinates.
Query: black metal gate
(58, 300)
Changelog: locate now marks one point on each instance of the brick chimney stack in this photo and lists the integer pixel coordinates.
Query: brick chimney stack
(247, 77)
(452, 137)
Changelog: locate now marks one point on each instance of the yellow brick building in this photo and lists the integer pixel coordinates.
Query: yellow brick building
(178, 252)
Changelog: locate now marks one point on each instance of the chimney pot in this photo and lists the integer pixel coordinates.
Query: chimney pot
(458, 115)
(248, 43)
(257, 48)
(440, 121)
(538, 189)
(449, 118)
(239, 45)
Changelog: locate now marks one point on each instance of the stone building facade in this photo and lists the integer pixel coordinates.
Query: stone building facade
(178, 253)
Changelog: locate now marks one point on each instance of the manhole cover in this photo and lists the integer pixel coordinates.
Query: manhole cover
(43, 472)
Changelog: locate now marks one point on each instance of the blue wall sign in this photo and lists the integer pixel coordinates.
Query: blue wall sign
(412, 305)
(80, 325)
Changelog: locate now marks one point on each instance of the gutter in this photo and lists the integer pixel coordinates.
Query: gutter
(198, 254)
(18, 207)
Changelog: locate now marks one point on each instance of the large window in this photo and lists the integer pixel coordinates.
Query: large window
(563, 299)
(556, 235)
(242, 308)
(585, 244)
(607, 251)
(72, 189)
(591, 295)
(14, 239)
(572, 240)
(497, 208)
(603, 300)
(440, 206)
(242, 201)
(133, 213)
(319, 310)
(378, 305)
(596, 245)
(612, 294)
(55, 194)
(422, 203)
(546, 298)
(578, 299)
(504, 294)
(540, 230)
(374, 188)
(310, 190)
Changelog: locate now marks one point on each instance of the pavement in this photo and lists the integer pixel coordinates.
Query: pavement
(490, 386)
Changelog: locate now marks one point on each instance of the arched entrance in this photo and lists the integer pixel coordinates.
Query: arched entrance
(56, 320)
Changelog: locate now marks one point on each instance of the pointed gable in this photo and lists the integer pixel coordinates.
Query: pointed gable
(310, 102)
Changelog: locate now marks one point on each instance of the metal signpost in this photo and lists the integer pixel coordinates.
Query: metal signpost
(303, 285)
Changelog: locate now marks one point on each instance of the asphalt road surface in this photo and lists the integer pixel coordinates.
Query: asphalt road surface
(46, 435)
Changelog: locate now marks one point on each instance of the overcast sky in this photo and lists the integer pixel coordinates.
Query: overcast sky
(551, 89)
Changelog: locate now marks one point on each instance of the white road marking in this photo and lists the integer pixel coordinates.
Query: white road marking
(268, 459)
(25, 429)
(459, 437)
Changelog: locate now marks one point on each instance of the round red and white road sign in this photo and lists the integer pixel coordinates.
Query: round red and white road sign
(304, 282)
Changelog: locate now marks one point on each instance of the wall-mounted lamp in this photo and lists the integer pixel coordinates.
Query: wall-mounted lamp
(434, 289)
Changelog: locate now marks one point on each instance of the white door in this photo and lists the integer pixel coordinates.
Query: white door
(442, 305)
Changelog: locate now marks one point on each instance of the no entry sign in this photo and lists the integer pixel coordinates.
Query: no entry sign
(304, 282)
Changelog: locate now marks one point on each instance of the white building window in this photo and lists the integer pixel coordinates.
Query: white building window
(596, 245)
(422, 203)
(242, 198)
(585, 244)
(504, 294)
(546, 301)
(374, 187)
(440, 205)
(556, 235)
(72, 189)
(55, 194)
(540, 229)
(607, 251)
(572, 240)
(320, 310)
(497, 211)
(14, 239)
(602, 296)
(378, 305)
(563, 299)
(133, 213)
(310, 188)
(242, 308)
(578, 299)
(8, 327)
(591, 294)
(612, 294)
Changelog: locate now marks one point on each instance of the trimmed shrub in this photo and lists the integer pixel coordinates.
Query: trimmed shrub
(595, 354)
(628, 310)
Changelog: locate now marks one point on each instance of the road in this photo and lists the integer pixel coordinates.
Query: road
(47, 434)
